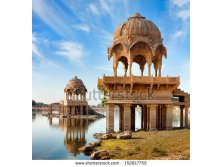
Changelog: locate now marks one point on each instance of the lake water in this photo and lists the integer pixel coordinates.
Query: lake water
(54, 139)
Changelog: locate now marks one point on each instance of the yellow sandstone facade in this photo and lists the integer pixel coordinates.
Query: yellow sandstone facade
(139, 40)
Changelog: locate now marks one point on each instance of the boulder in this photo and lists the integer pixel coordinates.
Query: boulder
(98, 135)
(104, 158)
(125, 135)
(104, 136)
(100, 155)
(95, 144)
(85, 148)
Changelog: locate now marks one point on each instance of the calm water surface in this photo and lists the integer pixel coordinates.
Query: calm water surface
(60, 138)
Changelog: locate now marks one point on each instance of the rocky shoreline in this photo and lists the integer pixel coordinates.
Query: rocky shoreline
(91, 151)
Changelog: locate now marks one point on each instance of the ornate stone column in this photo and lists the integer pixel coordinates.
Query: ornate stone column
(141, 70)
(130, 69)
(68, 111)
(125, 71)
(149, 69)
(66, 96)
(87, 110)
(73, 110)
(152, 116)
(155, 72)
(169, 116)
(127, 117)
(115, 67)
(159, 74)
(110, 117)
(181, 116)
(132, 118)
(81, 110)
(186, 117)
(64, 110)
(130, 64)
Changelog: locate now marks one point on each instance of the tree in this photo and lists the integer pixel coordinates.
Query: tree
(104, 99)
(34, 103)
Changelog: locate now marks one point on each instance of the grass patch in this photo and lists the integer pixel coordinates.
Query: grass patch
(159, 152)
(150, 145)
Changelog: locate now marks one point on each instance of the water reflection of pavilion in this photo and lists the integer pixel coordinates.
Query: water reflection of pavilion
(74, 130)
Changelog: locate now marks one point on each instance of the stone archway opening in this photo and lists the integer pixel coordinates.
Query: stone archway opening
(141, 61)
(136, 117)
(117, 116)
(122, 66)
(135, 121)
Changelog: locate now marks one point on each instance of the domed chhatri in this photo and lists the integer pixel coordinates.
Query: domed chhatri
(75, 102)
(137, 33)
(138, 26)
(138, 40)
(75, 86)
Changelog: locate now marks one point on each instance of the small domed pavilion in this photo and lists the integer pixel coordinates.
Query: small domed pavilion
(75, 102)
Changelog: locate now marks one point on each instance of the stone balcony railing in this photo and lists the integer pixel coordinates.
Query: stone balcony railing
(138, 80)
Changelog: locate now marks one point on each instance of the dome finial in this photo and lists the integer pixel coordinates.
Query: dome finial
(136, 14)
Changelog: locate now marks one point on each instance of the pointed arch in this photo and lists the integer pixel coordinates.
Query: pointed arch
(160, 51)
(143, 44)
(120, 46)
(141, 61)
(123, 59)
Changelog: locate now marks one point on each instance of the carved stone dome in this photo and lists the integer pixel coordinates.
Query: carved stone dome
(75, 85)
(138, 25)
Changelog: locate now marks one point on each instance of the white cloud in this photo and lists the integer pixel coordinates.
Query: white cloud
(106, 38)
(183, 14)
(34, 38)
(71, 50)
(178, 34)
(179, 9)
(93, 8)
(114, 10)
(43, 61)
(82, 27)
(53, 16)
(179, 3)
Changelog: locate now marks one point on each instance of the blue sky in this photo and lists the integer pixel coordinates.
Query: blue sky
(70, 38)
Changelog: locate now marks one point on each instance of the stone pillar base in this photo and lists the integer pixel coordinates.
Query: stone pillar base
(110, 118)
(152, 118)
(169, 116)
(127, 117)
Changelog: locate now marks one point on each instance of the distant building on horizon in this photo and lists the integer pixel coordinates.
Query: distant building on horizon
(75, 100)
